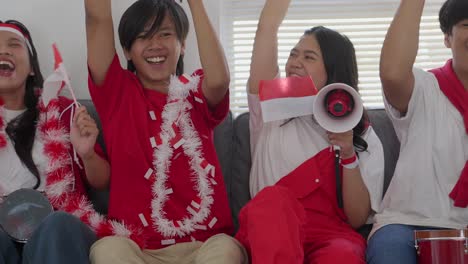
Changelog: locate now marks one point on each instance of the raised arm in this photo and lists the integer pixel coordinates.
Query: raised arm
(213, 60)
(264, 64)
(399, 53)
(100, 38)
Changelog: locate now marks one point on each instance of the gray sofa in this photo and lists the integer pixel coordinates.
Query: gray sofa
(233, 149)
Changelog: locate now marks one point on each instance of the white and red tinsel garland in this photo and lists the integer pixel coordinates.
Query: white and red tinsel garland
(177, 131)
(60, 178)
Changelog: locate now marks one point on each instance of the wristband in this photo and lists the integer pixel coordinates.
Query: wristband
(350, 163)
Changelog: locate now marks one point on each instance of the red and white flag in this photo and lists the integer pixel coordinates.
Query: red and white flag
(59, 79)
(284, 98)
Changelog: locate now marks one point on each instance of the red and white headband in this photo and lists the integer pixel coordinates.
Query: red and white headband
(16, 30)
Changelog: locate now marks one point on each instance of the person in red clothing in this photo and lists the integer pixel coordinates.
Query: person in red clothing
(37, 146)
(166, 184)
(294, 216)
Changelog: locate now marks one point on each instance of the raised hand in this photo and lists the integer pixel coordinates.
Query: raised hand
(83, 133)
(344, 141)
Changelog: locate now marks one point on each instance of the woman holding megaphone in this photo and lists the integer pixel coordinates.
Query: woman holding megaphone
(295, 216)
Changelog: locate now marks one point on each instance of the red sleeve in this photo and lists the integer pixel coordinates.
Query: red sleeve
(107, 96)
(213, 115)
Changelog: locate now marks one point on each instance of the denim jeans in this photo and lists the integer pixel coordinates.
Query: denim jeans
(61, 238)
(393, 244)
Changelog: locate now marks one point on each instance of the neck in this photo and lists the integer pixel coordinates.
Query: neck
(13, 101)
(162, 87)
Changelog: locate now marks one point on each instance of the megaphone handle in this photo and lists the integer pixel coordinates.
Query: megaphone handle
(339, 192)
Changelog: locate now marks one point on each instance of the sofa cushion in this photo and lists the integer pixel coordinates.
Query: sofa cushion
(384, 129)
(241, 163)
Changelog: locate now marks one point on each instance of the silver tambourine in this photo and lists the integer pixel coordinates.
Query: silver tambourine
(22, 211)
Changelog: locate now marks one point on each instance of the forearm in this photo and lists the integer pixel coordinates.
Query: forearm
(356, 201)
(399, 53)
(264, 63)
(97, 171)
(98, 10)
(100, 37)
(212, 58)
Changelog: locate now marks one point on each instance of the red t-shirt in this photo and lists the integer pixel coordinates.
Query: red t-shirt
(131, 116)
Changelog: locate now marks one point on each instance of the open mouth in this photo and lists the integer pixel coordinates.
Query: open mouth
(6, 68)
(156, 60)
(294, 75)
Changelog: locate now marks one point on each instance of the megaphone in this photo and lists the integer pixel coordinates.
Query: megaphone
(338, 107)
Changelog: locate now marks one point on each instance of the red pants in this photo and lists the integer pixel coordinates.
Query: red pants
(274, 230)
(288, 224)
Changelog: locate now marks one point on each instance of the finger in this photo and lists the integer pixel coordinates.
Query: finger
(85, 118)
(79, 111)
(89, 131)
(86, 124)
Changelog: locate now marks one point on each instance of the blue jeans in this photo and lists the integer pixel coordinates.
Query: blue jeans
(393, 244)
(8, 250)
(61, 238)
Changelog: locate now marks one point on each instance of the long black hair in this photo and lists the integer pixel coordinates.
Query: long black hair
(339, 58)
(138, 17)
(22, 129)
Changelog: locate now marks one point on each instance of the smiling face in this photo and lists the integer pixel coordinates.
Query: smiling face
(15, 66)
(306, 59)
(155, 57)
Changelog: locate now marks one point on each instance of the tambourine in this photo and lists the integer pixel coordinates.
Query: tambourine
(22, 211)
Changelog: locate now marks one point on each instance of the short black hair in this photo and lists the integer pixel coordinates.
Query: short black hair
(140, 14)
(452, 12)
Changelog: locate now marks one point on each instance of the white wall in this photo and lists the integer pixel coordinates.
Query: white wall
(62, 22)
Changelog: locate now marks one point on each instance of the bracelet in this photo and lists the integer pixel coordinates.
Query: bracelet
(350, 163)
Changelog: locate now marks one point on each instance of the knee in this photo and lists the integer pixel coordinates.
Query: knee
(390, 243)
(60, 227)
(111, 248)
(391, 236)
(339, 250)
(275, 199)
(61, 223)
(273, 193)
(223, 248)
(59, 220)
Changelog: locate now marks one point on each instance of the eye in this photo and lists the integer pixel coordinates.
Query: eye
(166, 34)
(309, 58)
(15, 45)
(292, 55)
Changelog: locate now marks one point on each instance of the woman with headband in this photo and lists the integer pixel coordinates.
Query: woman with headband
(37, 144)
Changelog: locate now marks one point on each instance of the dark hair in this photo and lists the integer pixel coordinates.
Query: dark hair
(143, 12)
(339, 58)
(452, 12)
(22, 129)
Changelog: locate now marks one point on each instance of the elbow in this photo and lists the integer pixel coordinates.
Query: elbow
(101, 184)
(393, 73)
(356, 224)
(358, 217)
